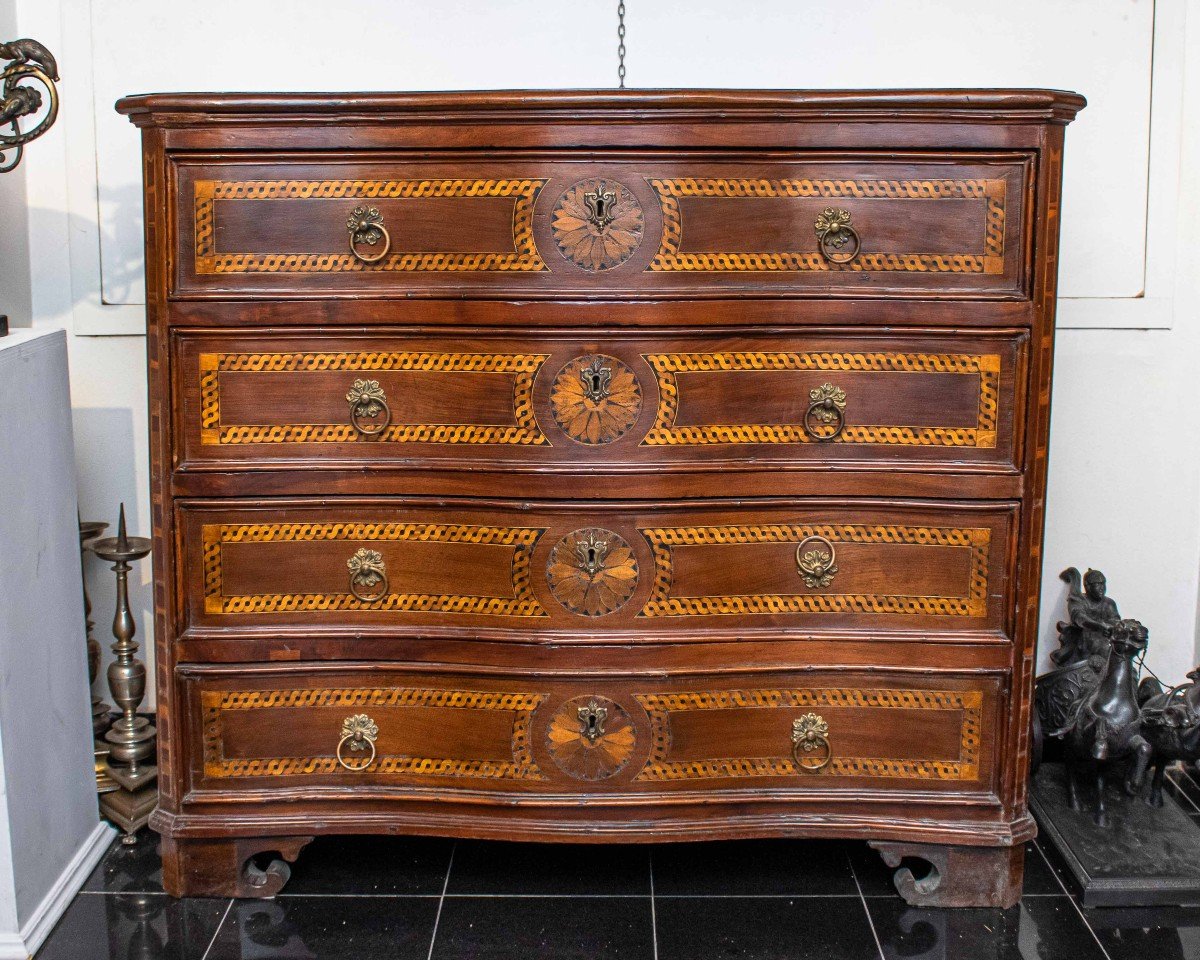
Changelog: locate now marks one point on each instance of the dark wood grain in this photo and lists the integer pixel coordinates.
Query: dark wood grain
(252, 452)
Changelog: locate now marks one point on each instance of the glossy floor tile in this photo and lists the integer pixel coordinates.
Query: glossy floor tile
(549, 869)
(371, 865)
(753, 868)
(127, 926)
(1039, 928)
(129, 869)
(378, 898)
(355, 928)
(545, 928)
(763, 928)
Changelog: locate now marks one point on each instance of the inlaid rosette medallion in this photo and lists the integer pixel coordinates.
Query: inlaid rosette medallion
(595, 399)
(592, 572)
(591, 738)
(598, 224)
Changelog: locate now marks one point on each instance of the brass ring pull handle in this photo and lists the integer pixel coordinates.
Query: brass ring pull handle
(810, 734)
(827, 407)
(367, 404)
(818, 564)
(359, 731)
(365, 226)
(836, 239)
(368, 575)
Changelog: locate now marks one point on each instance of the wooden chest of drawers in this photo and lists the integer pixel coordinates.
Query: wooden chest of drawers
(599, 467)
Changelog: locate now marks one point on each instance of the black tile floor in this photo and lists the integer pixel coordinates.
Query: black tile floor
(374, 898)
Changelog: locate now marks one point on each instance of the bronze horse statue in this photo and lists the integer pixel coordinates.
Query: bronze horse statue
(1106, 727)
(1171, 723)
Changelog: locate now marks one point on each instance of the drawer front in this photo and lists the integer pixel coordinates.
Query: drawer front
(594, 402)
(816, 225)
(602, 735)
(350, 568)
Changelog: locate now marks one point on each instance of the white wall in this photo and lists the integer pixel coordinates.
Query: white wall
(51, 828)
(1125, 481)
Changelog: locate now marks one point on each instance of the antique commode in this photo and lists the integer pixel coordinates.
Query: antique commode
(599, 467)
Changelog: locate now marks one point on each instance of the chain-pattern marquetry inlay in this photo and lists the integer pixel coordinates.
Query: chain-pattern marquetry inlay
(666, 367)
(521, 705)
(209, 260)
(522, 368)
(661, 707)
(522, 603)
(663, 540)
(669, 258)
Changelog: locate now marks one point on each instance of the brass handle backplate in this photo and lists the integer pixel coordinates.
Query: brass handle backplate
(369, 410)
(836, 239)
(365, 225)
(818, 564)
(600, 204)
(825, 418)
(359, 731)
(368, 575)
(591, 721)
(810, 734)
(596, 378)
(590, 552)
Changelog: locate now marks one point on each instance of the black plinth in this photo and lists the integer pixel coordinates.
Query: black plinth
(1146, 857)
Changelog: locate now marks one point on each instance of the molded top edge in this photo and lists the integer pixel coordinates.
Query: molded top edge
(185, 109)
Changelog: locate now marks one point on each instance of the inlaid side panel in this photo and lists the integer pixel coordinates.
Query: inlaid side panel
(529, 572)
(608, 401)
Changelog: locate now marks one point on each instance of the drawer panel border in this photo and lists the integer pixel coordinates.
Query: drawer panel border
(669, 259)
(663, 539)
(522, 767)
(524, 258)
(523, 603)
(661, 706)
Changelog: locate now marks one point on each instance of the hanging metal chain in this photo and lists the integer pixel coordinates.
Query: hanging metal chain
(621, 45)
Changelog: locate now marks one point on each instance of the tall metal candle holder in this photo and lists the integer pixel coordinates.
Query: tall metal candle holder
(89, 530)
(131, 739)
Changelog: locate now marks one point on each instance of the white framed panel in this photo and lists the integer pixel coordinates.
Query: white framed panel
(1121, 162)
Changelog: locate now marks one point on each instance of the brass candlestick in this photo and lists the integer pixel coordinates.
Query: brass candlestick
(131, 739)
(89, 531)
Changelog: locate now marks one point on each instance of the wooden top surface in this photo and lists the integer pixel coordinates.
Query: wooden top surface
(979, 105)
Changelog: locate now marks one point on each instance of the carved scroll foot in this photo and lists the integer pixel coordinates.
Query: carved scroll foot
(958, 876)
(227, 868)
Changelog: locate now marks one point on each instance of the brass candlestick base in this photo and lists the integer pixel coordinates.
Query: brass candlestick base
(131, 740)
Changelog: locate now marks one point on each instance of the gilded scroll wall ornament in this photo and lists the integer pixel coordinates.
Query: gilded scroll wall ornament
(367, 401)
(595, 399)
(598, 224)
(837, 240)
(358, 735)
(592, 572)
(826, 418)
(31, 62)
(365, 225)
(591, 738)
(810, 734)
(368, 575)
(818, 564)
